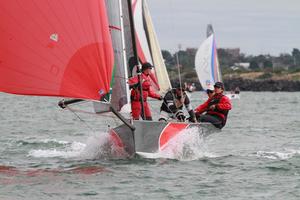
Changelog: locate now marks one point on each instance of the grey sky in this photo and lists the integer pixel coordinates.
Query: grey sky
(256, 26)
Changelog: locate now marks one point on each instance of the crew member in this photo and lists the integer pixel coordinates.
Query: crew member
(210, 91)
(134, 84)
(172, 105)
(216, 108)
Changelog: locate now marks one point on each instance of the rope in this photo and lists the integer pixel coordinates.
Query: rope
(107, 115)
(80, 119)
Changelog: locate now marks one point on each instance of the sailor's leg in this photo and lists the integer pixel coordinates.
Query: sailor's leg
(216, 121)
(135, 110)
(147, 111)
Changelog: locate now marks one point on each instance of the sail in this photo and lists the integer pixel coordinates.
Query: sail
(130, 61)
(55, 48)
(207, 63)
(148, 46)
(158, 61)
(209, 30)
(120, 88)
(141, 37)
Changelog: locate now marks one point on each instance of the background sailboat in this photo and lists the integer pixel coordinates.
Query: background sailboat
(206, 61)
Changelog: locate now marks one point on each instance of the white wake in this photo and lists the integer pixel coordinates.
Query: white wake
(96, 147)
(276, 155)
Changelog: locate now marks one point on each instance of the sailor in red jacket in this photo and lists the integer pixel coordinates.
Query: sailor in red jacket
(216, 108)
(147, 91)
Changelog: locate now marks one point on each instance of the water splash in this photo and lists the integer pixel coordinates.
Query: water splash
(188, 145)
(101, 147)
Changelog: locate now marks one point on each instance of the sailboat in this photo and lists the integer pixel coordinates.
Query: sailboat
(207, 62)
(82, 50)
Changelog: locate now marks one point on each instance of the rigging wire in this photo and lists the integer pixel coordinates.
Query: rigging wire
(178, 69)
(82, 120)
(108, 115)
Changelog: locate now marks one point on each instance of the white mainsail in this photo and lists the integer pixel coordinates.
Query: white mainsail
(206, 61)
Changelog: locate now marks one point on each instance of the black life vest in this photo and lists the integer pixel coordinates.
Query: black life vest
(214, 101)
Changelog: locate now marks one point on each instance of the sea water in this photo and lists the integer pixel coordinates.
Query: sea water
(49, 153)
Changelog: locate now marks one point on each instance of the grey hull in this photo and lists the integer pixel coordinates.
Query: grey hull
(150, 136)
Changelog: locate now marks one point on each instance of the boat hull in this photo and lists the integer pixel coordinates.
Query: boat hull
(152, 137)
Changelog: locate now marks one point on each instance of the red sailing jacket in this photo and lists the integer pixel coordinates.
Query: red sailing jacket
(223, 105)
(146, 86)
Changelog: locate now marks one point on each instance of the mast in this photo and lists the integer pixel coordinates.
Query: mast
(136, 56)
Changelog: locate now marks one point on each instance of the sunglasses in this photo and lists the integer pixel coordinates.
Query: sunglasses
(209, 91)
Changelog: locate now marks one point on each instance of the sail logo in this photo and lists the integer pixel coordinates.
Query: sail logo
(54, 70)
(101, 92)
(54, 37)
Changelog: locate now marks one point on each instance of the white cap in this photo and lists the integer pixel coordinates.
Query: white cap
(210, 87)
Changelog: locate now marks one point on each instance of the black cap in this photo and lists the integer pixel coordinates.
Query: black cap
(219, 85)
(209, 91)
(179, 87)
(146, 66)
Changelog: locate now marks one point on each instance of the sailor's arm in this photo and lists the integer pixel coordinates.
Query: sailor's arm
(201, 108)
(133, 82)
(190, 110)
(224, 104)
(153, 94)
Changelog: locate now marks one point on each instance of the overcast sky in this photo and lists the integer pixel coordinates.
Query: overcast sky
(256, 26)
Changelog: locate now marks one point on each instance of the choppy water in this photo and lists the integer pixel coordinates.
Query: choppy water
(48, 153)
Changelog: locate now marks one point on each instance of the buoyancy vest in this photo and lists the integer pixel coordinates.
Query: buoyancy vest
(172, 103)
(214, 101)
(135, 92)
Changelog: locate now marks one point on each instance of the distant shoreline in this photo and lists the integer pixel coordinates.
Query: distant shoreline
(262, 85)
(254, 81)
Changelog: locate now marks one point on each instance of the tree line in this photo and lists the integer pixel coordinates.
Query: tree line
(229, 59)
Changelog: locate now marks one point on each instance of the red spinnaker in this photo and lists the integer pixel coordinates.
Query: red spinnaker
(55, 48)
